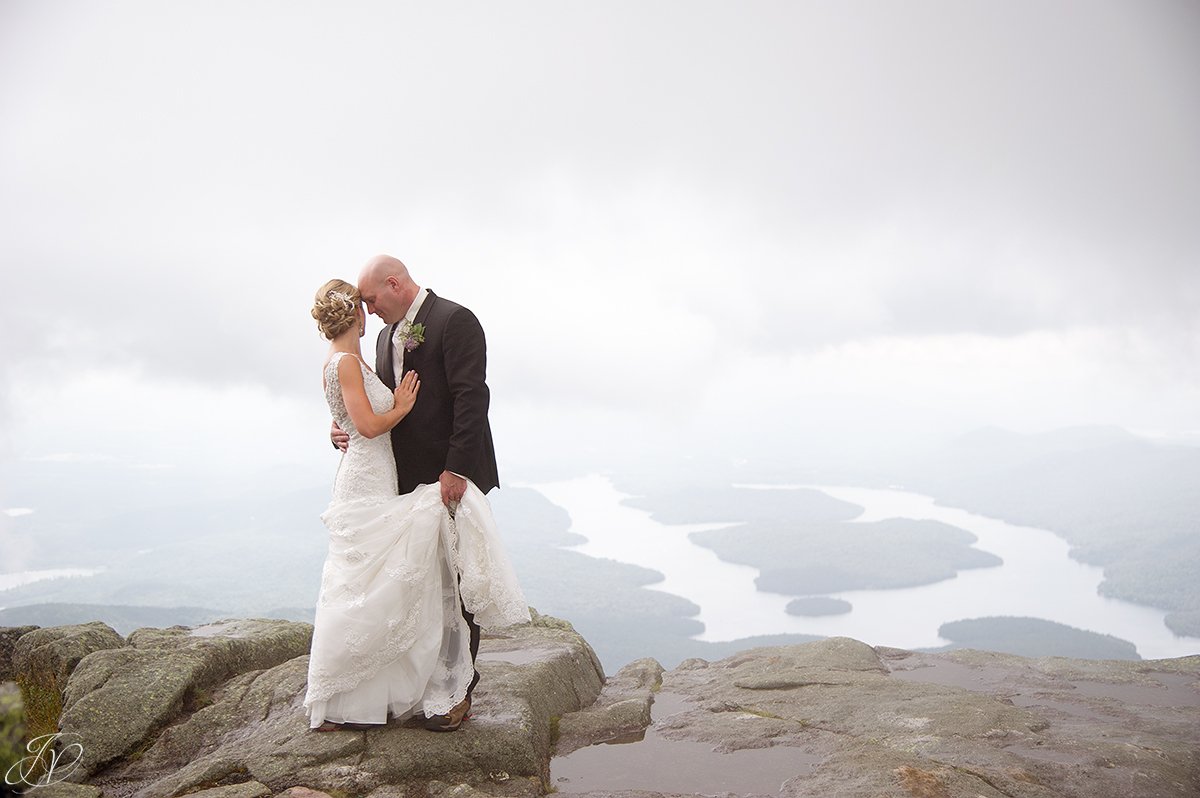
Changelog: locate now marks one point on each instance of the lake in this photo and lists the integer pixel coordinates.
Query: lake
(1038, 579)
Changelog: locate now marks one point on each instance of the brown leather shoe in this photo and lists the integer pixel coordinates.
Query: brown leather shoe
(451, 721)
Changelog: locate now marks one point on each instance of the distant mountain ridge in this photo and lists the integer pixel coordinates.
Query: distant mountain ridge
(1125, 503)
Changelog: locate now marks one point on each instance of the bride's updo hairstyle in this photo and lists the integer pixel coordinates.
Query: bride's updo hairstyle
(336, 308)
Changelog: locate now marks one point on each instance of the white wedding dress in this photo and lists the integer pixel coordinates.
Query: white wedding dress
(389, 636)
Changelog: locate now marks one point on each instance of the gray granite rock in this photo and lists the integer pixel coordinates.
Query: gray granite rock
(118, 699)
(301, 792)
(8, 641)
(63, 789)
(838, 718)
(246, 789)
(43, 661)
(253, 726)
(623, 708)
(217, 712)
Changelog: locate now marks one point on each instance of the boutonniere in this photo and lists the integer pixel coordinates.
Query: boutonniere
(409, 335)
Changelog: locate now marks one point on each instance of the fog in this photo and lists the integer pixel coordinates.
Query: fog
(823, 234)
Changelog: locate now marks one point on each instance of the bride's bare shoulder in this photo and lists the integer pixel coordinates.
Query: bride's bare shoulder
(346, 368)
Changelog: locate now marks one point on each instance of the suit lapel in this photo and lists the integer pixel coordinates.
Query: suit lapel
(422, 315)
(426, 306)
(383, 356)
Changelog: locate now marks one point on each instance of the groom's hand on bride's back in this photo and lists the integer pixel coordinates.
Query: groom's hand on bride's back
(339, 437)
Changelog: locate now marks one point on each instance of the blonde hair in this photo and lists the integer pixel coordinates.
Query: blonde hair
(336, 308)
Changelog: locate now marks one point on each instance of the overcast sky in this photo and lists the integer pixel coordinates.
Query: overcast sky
(690, 225)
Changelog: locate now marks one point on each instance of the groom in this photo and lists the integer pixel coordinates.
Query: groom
(445, 438)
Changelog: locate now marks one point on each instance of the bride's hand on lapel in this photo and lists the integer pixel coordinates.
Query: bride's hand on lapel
(406, 392)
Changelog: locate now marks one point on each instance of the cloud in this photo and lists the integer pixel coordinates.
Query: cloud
(645, 205)
(74, 457)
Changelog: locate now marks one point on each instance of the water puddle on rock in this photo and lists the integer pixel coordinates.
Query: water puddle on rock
(654, 763)
(1172, 690)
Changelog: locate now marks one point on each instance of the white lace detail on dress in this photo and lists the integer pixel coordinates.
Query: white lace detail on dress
(389, 602)
(368, 470)
(489, 584)
(404, 573)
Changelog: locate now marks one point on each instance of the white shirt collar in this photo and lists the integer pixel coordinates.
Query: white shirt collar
(416, 305)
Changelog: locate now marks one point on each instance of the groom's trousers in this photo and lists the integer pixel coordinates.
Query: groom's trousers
(469, 617)
(474, 627)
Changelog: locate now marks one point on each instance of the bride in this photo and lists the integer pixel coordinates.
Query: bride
(389, 636)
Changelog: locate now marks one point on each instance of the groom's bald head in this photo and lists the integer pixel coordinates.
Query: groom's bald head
(386, 288)
(381, 267)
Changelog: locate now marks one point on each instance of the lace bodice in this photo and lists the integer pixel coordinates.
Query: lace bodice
(368, 469)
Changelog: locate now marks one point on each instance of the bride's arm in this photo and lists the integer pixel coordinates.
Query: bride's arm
(369, 423)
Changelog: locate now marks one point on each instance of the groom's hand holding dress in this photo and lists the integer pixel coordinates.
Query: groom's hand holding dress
(453, 488)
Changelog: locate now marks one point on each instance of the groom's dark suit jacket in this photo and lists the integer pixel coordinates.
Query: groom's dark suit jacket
(447, 429)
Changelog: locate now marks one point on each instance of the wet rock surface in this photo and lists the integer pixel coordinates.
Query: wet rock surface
(621, 712)
(839, 718)
(216, 711)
